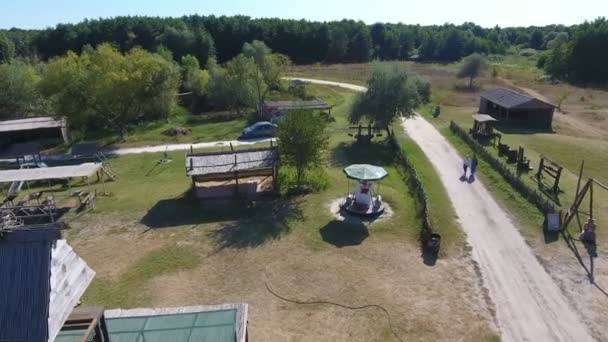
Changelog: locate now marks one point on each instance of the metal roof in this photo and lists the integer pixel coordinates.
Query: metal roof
(41, 279)
(290, 105)
(23, 149)
(218, 323)
(508, 98)
(483, 118)
(43, 173)
(32, 123)
(85, 149)
(225, 162)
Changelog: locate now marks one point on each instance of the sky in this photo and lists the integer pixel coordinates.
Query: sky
(37, 14)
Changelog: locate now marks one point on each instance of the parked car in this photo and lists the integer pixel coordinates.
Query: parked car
(260, 129)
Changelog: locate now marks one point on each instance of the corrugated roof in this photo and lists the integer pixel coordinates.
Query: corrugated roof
(505, 97)
(85, 149)
(70, 277)
(290, 105)
(224, 162)
(43, 173)
(41, 279)
(218, 323)
(31, 123)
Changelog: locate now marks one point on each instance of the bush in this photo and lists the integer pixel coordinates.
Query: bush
(542, 59)
(300, 92)
(527, 52)
(315, 179)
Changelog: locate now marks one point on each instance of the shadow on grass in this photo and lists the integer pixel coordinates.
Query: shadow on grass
(267, 221)
(341, 234)
(377, 152)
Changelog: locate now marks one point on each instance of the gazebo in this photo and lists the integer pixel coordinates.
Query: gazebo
(364, 201)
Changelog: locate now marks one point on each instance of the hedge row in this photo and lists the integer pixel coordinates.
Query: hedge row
(534, 196)
(416, 186)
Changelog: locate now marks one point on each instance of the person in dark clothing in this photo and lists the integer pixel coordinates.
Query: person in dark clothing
(473, 165)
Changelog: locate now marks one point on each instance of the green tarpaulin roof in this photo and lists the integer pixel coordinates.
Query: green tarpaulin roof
(205, 326)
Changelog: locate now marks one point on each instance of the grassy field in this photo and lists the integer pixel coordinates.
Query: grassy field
(151, 244)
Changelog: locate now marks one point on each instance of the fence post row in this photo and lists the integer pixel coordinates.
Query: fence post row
(525, 190)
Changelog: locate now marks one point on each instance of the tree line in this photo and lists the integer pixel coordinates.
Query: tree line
(104, 90)
(303, 41)
(581, 56)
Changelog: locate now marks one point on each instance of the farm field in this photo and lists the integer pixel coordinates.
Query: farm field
(152, 245)
(580, 132)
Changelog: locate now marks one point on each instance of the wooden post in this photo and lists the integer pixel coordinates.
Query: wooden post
(556, 184)
(541, 164)
(591, 198)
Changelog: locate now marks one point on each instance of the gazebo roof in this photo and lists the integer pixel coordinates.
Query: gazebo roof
(365, 172)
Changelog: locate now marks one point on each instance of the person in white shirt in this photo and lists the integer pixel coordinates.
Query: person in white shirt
(465, 164)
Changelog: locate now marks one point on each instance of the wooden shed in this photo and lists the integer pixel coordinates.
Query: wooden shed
(225, 174)
(43, 129)
(511, 107)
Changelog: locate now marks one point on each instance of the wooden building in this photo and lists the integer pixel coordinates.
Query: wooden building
(511, 107)
(225, 174)
(45, 130)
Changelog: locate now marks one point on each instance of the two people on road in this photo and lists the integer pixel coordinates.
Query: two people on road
(469, 163)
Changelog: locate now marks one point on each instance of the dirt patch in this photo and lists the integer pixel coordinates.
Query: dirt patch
(420, 300)
(343, 216)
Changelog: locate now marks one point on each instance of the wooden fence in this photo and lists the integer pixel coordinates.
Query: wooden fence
(417, 188)
(532, 195)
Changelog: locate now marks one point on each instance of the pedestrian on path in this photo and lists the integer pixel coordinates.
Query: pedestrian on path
(465, 165)
(473, 165)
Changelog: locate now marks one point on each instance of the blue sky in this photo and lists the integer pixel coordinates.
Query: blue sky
(44, 13)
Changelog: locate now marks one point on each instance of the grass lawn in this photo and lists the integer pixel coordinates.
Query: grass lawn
(151, 244)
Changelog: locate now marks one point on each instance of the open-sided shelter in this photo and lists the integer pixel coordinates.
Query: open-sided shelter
(274, 110)
(511, 107)
(33, 129)
(483, 125)
(224, 174)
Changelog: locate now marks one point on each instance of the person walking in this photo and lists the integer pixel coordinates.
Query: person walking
(465, 164)
(473, 165)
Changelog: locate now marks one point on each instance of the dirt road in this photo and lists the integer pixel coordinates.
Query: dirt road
(529, 306)
(182, 147)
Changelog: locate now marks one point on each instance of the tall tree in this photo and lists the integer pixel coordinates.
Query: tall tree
(269, 68)
(536, 39)
(19, 95)
(338, 45)
(7, 48)
(105, 88)
(472, 66)
(233, 86)
(302, 141)
(390, 92)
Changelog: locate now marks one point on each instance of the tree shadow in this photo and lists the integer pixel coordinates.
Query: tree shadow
(269, 221)
(187, 210)
(341, 234)
(376, 152)
(466, 89)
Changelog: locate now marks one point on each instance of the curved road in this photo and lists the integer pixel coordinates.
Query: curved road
(529, 305)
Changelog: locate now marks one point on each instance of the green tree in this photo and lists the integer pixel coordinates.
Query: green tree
(390, 92)
(233, 86)
(194, 79)
(105, 88)
(19, 95)
(269, 68)
(472, 66)
(7, 48)
(302, 141)
(536, 39)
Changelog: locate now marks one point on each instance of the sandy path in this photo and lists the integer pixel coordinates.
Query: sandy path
(529, 305)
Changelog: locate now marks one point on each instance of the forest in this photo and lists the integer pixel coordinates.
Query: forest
(311, 42)
(102, 73)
